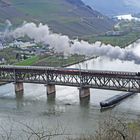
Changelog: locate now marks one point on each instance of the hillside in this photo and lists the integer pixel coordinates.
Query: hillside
(115, 7)
(137, 15)
(71, 17)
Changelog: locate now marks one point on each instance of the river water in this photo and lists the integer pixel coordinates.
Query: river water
(66, 112)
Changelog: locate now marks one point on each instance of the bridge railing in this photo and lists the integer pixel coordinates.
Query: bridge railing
(112, 80)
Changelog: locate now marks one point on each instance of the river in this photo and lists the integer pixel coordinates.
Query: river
(66, 112)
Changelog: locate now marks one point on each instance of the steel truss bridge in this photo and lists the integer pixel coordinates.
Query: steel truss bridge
(109, 80)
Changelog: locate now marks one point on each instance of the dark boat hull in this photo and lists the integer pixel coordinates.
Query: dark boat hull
(114, 100)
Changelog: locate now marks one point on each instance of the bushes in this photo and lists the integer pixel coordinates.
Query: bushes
(115, 128)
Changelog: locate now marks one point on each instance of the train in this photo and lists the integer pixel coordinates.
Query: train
(137, 73)
(72, 70)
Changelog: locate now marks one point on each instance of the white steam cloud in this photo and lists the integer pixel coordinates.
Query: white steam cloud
(8, 23)
(62, 43)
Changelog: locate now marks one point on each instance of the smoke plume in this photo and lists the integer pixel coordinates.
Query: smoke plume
(62, 43)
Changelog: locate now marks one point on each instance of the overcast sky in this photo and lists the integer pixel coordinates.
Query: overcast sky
(115, 7)
(133, 2)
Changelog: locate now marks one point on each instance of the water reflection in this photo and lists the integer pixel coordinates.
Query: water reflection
(84, 102)
(107, 109)
(51, 98)
(19, 99)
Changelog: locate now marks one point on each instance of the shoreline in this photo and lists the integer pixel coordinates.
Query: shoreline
(67, 65)
(3, 83)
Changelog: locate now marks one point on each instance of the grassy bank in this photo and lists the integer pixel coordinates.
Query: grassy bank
(29, 61)
(114, 129)
(52, 61)
(122, 41)
(110, 128)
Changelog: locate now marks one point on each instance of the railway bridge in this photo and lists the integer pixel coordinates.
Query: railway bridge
(83, 79)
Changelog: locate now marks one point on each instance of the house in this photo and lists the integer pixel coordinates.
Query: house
(115, 33)
(2, 60)
(1, 46)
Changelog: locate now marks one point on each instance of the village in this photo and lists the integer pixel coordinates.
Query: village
(22, 49)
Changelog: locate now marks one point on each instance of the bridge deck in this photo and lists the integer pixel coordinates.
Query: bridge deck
(111, 80)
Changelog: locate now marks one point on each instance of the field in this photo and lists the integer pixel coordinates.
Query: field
(121, 41)
(52, 61)
(29, 61)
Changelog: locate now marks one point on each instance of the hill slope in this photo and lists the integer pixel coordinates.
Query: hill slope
(115, 7)
(71, 17)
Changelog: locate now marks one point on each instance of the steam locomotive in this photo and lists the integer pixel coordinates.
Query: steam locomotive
(138, 74)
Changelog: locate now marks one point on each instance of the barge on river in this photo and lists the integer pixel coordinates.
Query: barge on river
(115, 99)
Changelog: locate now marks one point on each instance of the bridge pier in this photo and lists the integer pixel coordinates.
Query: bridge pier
(19, 99)
(19, 87)
(84, 92)
(51, 90)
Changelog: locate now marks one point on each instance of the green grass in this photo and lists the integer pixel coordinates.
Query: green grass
(9, 54)
(43, 9)
(121, 41)
(68, 20)
(53, 61)
(38, 9)
(57, 61)
(28, 62)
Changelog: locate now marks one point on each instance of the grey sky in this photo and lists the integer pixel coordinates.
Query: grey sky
(133, 2)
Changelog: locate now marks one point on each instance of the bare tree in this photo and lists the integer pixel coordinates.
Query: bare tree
(114, 128)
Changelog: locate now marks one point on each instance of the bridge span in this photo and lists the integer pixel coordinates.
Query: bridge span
(84, 79)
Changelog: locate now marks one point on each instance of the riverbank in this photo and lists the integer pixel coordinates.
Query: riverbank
(122, 41)
(54, 61)
(3, 83)
(74, 63)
